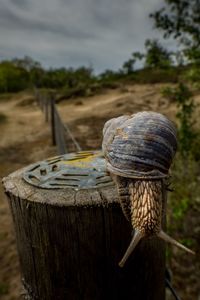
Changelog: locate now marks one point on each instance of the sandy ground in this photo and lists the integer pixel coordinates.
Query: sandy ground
(26, 138)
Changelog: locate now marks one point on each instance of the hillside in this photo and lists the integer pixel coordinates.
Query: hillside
(26, 138)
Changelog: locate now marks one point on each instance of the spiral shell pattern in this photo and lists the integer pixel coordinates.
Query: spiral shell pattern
(139, 146)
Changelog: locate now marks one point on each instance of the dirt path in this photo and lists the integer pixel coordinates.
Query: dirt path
(24, 136)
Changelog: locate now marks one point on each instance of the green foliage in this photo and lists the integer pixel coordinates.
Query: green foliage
(156, 75)
(32, 67)
(79, 83)
(19, 74)
(180, 19)
(182, 96)
(193, 75)
(188, 242)
(186, 190)
(129, 65)
(26, 63)
(179, 58)
(180, 208)
(156, 55)
(109, 79)
(12, 78)
(193, 55)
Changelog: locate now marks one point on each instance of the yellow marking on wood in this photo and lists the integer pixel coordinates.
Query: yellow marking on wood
(81, 161)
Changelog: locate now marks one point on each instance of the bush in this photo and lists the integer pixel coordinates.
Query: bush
(157, 56)
(12, 78)
(186, 190)
(155, 75)
(193, 74)
(182, 96)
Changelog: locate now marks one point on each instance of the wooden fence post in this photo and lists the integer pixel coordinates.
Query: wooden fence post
(46, 109)
(53, 130)
(70, 242)
(59, 132)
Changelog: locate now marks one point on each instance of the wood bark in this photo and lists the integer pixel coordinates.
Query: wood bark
(70, 243)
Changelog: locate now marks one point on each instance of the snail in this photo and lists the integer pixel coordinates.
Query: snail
(139, 150)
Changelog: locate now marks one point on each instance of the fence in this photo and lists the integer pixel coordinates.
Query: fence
(60, 131)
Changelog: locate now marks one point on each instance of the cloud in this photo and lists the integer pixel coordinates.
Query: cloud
(73, 32)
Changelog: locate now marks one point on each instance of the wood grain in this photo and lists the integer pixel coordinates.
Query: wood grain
(70, 242)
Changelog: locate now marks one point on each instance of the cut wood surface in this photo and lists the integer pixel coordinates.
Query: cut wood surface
(70, 243)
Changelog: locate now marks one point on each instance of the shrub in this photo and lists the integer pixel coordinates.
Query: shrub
(182, 96)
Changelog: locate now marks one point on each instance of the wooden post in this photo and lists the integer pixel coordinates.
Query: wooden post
(59, 133)
(46, 101)
(71, 241)
(53, 130)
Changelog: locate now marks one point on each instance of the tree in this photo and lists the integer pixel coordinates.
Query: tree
(26, 63)
(180, 19)
(34, 69)
(157, 56)
(129, 65)
(12, 78)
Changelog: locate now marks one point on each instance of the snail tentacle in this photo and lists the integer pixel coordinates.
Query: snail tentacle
(135, 240)
(139, 150)
(169, 239)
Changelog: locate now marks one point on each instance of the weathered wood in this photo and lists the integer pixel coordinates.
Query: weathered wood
(46, 100)
(53, 129)
(59, 132)
(70, 243)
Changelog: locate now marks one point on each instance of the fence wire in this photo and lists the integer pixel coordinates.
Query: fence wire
(60, 131)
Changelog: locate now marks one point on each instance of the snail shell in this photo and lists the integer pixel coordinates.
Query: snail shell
(139, 150)
(141, 145)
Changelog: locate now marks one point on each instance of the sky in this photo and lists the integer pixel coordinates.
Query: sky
(70, 33)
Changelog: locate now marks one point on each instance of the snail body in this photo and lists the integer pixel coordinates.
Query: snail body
(139, 150)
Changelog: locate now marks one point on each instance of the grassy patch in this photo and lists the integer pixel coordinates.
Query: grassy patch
(155, 75)
(186, 189)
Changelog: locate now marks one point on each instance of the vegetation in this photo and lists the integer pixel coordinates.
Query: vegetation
(186, 169)
(177, 19)
(156, 66)
(182, 96)
(180, 19)
(129, 65)
(157, 56)
(12, 78)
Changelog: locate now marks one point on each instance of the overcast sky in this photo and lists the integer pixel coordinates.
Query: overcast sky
(100, 33)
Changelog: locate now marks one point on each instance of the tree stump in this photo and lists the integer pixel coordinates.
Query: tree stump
(70, 240)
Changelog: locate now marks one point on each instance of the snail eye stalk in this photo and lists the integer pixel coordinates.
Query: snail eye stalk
(135, 240)
(141, 148)
(168, 239)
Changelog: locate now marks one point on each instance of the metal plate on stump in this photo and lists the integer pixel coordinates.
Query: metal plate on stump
(81, 170)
